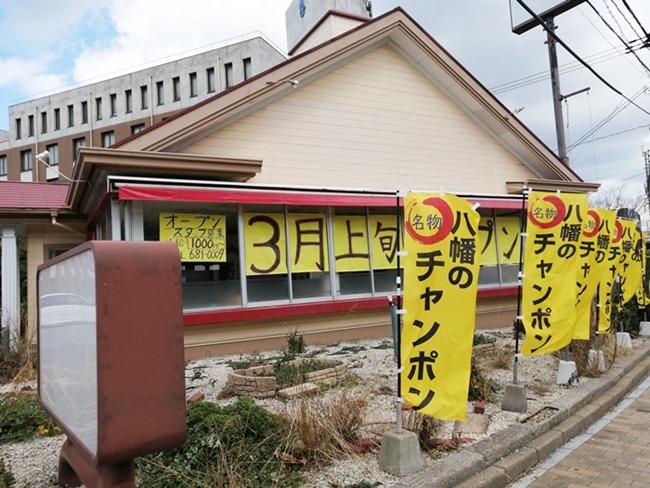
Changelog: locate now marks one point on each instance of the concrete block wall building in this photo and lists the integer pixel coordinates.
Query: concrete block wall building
(103, 113)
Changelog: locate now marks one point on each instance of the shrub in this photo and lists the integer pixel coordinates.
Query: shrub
(424, 426)
(479, 385)
(231, 446)
(295, 343)
(21, 418)
(324, 427)
(290, 373)
(7, 479)
(502, 357)
(483, 339)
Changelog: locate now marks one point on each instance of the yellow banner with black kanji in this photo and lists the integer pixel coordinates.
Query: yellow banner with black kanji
(594, 244)
(608, 278)
(642, 298)
(549, 292)
(440, 284)
(200, 237)
(630, 263)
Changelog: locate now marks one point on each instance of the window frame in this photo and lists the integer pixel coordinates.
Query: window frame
(176, 89)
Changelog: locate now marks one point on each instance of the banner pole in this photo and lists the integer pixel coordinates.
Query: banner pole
(398, 338)
(518, 319)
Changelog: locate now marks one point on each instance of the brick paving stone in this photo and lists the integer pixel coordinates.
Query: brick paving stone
(616, 456)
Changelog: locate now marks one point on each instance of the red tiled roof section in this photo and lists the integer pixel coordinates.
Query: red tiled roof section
(29, 195)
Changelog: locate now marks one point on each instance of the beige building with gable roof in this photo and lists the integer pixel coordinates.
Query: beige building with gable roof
(298, 170)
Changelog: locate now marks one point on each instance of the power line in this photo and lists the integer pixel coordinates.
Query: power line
(645, 33)
(609, 135)
(570, 51)
(629, 48)
(544, 75)
(622, 106)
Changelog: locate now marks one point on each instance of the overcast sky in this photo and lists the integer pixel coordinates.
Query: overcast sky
(50, 45)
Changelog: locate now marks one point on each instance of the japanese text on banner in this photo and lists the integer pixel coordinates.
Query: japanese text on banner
(591, 265)
(440, 284)
(355, 238)
(630, 263)
(554, 227)
(200, 237)
(608, 278)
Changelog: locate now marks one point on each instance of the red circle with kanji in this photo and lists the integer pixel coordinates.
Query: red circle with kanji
(442, 211)
(555, 220)
(596, 220)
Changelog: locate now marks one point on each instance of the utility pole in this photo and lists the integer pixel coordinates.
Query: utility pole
(547, 20)
(557, 94)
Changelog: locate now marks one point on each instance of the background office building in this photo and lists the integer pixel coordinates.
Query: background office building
(103, 113)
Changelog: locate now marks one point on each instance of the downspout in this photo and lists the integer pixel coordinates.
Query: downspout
(54, 214)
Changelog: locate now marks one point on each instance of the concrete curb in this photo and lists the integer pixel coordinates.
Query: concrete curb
(504, 456)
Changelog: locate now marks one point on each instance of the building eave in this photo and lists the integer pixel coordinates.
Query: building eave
(94, 164)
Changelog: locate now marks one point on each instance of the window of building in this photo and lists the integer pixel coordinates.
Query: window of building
(289, 254)
(98, 108)
(229, 75)
(500, 261)
(43, 122)
(176, 88)
(128, 101)
(144, 97)
(19, 129)
(210, 79)
(137, 128)
(248, 68)
(84, 112)
(299, 253)
(30, 126)
(113, 102)
(3, 165)
(76, 144)
(194, 86)
(53, 149)
(70, 115)
(160, 92)
(57, 119)
(26, 160)
(108, 138)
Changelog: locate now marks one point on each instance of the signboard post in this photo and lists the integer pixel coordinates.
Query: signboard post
(110, 356)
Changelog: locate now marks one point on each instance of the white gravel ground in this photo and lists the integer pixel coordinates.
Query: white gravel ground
(34, 463)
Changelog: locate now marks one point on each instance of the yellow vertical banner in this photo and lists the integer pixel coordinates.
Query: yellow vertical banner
(500, 240)
(609, 278)
(383, 238)
(594, 245)
(265, 244)
(642, 293)
(351, 243)
(440, 284)
(200, 237)
(508, 236)
(554, 227)
(630, 263)
(308, 243)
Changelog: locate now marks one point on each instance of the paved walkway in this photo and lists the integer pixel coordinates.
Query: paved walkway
(613, 452)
